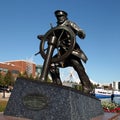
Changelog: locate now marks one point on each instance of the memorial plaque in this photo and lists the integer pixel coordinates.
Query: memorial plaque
(35, 101)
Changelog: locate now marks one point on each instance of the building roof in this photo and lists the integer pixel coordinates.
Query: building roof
(18, 61)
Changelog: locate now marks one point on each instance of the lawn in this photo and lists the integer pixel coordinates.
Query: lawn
(2, 105)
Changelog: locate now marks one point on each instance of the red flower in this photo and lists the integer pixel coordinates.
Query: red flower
(112, 110)
(117, 109)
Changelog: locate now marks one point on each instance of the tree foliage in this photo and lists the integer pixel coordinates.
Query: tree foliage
(9, 79)
(1, 80)
(25, 75)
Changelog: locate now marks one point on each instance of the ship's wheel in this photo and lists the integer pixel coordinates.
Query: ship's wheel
(65, 42)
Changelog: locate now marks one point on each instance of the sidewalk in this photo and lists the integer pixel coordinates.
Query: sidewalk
(3, 117)
(7, 95)
(106, 116)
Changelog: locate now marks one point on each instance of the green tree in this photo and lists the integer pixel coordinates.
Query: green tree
(31, 77)
(25, 74)
(2, 83)
(20, 75)
(78, 87)
(37, 77)
(9, 79)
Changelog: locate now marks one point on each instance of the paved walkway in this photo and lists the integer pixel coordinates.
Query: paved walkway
(6, 97)
(106, 116)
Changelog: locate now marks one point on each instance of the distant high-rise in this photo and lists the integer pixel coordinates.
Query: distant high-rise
(116, 85)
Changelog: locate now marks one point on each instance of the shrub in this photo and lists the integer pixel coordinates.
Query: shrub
(110, 107)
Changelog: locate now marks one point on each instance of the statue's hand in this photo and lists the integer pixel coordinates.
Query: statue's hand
(40, 37)
(81, 34)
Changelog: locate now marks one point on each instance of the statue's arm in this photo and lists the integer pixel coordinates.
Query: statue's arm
(78, 30)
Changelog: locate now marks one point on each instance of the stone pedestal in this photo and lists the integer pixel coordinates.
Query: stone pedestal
(45, 101)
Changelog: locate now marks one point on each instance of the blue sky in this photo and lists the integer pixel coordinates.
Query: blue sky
(22, 20)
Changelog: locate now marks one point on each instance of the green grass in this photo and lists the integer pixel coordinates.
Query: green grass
(2, 105)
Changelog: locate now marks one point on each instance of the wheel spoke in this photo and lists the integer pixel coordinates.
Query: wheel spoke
(45, 49)
(61, 35)
(53, 33)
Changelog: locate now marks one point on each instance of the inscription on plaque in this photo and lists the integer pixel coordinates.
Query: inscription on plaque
(35, 101)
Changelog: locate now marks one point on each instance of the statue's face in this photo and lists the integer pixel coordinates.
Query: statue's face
(61, 19)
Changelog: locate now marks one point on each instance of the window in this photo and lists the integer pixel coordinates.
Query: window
(15, 72)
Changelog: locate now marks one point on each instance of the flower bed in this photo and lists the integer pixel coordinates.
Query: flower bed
(110, 107)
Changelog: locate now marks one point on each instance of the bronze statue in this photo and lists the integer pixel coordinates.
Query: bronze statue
(62, 37)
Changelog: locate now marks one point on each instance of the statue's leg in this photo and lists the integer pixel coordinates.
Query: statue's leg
(55, 74)
(86, 84)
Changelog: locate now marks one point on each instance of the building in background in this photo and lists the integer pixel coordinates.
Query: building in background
(116, 85)
(18, 66)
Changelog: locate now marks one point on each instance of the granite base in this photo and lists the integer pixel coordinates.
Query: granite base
(45, 101)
